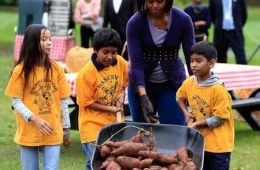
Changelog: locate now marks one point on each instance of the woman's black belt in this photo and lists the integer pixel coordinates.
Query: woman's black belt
(160, 55)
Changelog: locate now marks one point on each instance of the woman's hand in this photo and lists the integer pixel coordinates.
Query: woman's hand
(43, 126)
(147, 109)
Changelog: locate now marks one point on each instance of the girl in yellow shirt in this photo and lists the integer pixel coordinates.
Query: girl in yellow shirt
(100, 88)
(38, 88)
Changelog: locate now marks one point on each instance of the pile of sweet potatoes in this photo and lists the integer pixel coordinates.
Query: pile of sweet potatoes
(135, 154)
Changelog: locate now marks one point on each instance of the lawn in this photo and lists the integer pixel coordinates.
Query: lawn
(247, 143)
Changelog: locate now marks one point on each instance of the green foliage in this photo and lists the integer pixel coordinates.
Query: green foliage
(9, 19)
(9, 2)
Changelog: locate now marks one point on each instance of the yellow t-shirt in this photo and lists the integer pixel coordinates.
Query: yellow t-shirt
(101, 87)
(42, 96)
(206, 102)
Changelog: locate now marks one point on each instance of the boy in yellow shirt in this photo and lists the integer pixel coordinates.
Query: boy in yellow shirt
(100, 88)
(210, 104)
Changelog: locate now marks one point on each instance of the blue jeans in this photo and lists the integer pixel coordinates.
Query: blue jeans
(163, 98)
(88, 149)
(30, 157)
(216, 161)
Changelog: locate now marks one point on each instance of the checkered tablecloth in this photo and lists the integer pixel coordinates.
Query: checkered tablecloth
(60, 46)
(237, 76)
(71, 79)
(234, 76)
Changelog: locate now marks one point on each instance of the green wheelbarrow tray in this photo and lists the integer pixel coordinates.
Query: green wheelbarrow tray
(168, 138)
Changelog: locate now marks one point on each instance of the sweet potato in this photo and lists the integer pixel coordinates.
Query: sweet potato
(113, 166)
(116, 144)
(129, 149)
(155, 167)
(190, 165)
(139, 137)
(107, 162)
(157, 156)
(151, 143)
(172, 166)
(176, 166)
(180, 167)
(105, 151)
(145, 163)
(128, 162)
(174, 154)
(182, 154)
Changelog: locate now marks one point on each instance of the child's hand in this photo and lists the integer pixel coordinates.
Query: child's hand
(66, 138)
(188, 115)
(190, 121)
(194, 125)
(119, 106)
(121, 97)
(115, 109)
(43, 126)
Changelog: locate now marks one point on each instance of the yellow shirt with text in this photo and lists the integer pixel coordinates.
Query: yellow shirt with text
(101, 87)
(207, 101)
(42, 96)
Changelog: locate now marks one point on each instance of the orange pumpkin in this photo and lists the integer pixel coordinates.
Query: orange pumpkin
(76, 58)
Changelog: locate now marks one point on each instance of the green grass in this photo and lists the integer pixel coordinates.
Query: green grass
(247, 148)
(9, 20)
(252, 36)
(247, 142)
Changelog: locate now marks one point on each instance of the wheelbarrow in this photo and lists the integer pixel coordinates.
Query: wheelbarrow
(168, 138)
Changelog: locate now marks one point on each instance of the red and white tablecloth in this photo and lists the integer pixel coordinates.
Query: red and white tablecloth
(234, 76)
(71, 79)
(238, 76)
(60, 46)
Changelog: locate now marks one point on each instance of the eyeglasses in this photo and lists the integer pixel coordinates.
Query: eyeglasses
(157, 1)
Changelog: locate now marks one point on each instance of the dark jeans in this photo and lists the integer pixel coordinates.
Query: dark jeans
(86, 35)
(230, 39)
(163, 98)
(216, 161)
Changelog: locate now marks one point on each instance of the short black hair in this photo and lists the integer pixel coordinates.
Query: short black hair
(204, 48)
(141, 5)
(105, 37)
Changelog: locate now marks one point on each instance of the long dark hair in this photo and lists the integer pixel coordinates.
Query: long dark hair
(31, 54)
(141, 5)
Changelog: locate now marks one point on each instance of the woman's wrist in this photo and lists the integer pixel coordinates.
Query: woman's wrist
(141, 90)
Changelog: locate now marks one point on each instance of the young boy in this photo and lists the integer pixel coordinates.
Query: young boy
(210, 104)
(100, 88)
(200, 16)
